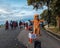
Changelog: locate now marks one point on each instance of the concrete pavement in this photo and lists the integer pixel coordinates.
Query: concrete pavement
(51, 33)
(19, 39)
(46, 40)
(8, 38)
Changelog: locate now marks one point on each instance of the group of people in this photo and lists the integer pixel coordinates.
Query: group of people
(15, 24)
(34, 24)
(12, 24)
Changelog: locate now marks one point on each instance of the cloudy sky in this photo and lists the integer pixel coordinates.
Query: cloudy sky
(16, 10)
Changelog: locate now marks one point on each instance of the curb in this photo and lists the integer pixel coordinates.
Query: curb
(54, 35)
(57, 37)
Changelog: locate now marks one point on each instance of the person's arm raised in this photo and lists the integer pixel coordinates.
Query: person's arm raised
(41, 20)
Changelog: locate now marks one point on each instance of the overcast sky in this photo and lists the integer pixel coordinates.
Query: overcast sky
(16, 10)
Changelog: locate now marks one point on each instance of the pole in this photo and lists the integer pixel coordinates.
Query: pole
(48, 4)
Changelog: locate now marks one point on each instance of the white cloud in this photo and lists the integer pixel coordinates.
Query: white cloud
(17, 13)
(24, 13)
(3, 11)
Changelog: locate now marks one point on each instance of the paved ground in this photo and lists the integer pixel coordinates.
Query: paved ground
(9, 39)
(46, 40)
(23, 37)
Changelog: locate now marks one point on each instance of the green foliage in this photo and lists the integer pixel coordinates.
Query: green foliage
(30, 2)
(57, 7)
(36, 3)
(45, 16)
(54, 6)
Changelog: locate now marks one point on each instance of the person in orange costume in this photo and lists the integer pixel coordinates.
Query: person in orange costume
(36, 24)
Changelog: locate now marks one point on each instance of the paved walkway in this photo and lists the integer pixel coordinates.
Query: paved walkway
(9, 39)
(46, 40)
(23, 37)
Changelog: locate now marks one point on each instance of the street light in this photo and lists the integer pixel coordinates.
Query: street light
(49, 13)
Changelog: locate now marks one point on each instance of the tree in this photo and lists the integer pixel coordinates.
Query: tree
(53, 5)
(40, 3)
(36, 3)
(44, 16)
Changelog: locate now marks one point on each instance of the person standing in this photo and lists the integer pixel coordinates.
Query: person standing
(20, 23)
(36, 24)
(6, 25)
(26, 26)
(11, 24)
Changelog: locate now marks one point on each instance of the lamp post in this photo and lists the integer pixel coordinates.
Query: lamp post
(48, 4)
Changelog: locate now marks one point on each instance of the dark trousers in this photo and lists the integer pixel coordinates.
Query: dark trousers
(37, 44)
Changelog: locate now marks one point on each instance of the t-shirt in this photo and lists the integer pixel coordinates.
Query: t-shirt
(33, 36)
(30, 35)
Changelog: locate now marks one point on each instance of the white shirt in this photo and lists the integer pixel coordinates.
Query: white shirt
(30, 35)
(33, 36)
